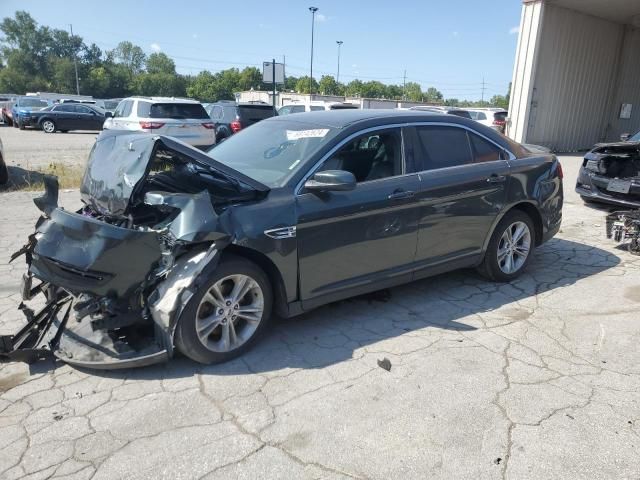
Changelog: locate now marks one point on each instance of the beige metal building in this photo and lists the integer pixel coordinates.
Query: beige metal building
(576, 78)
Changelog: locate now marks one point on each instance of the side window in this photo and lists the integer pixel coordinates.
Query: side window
(442, 147)
(315, 108)
(143, 110)
(372, 156)
(123, 109)
(82, 109)
(297, 109)
(127, 108)
(284, 111)
(474, 115)
(481, 116)
(119, 109)
(484, 151)
(64, 108)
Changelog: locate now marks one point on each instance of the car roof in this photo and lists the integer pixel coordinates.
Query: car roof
(163, 100)
(345, 117)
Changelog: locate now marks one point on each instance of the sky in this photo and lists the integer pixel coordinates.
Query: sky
(449, 44)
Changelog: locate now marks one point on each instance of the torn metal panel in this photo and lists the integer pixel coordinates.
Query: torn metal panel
(168, 300)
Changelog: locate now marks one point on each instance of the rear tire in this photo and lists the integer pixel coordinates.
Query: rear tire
(48, 126)
(214, 319)
(510, 248)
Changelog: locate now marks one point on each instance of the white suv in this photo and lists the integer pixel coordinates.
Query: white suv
(491, 117)
(314, 106)
(183, 119)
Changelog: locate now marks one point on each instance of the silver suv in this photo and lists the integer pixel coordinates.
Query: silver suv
(180, 118)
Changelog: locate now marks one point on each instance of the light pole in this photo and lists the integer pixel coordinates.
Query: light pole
(339, 42)
(313, 11)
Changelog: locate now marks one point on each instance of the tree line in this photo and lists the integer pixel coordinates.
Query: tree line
(39, 58)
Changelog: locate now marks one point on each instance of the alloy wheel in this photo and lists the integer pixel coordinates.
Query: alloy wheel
(48, 126)
(514, 247)
(229, 313)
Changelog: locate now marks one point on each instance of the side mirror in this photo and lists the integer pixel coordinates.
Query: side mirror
(108, 114)
(625, 137)
(331, 181)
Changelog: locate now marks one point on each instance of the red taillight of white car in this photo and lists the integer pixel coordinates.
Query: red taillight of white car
(151, 125)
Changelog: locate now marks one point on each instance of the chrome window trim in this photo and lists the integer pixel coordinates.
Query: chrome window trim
(342, 143)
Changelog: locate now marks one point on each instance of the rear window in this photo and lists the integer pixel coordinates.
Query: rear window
(172, 110)
(255, 113)
(500, 116)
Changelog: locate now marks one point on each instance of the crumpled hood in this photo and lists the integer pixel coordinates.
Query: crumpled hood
(119, 161)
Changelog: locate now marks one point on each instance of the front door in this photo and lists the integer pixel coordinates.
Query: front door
(357, 241)
(463, 189)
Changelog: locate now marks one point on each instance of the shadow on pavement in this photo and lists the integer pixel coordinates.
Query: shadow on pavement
(330, 334)
(20, 178)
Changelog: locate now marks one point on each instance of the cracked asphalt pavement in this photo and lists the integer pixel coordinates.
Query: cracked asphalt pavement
(535, 379)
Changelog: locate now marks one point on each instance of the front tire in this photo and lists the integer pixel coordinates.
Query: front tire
(48, 126)
(510, 248)
(228, 315)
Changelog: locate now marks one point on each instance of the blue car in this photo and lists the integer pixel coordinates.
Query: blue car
(23, 107)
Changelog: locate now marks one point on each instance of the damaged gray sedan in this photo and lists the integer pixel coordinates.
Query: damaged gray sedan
(174, 248)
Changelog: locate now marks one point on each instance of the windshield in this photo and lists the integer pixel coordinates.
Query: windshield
(32, 102)
(273, 150)
(635, 138)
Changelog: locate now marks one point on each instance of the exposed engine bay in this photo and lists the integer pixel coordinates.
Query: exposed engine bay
(624, 226)
(112, 278)
(618, 160)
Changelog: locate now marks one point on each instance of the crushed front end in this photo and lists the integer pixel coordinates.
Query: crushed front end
(610, 173)
(106, 284)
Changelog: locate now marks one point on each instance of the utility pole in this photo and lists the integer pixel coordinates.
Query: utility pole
(483, 89)
(75, 64)
(273, 72)
(404, 84)
(313, 11)
(339, 42)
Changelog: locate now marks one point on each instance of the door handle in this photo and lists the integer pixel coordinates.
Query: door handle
(401, 194)
(495, 178)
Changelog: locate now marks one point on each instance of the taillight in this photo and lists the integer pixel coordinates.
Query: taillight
(499, 122)
(236, 126)
(208, 125)
(559, 171)
(151, 125)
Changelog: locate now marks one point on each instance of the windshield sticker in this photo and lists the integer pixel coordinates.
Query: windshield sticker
(294, 164)
(315, 133)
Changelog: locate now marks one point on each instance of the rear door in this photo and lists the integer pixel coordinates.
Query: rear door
(64, 116)
(355, 241)
(463, 188)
